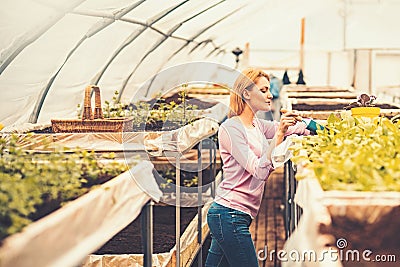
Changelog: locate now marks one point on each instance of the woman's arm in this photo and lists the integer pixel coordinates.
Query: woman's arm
(285, 126)
(233, 142)
(288, 124)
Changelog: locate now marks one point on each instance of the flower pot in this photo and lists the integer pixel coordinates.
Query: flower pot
(370, 112)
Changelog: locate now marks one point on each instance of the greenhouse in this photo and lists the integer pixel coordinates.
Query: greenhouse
(199, 133)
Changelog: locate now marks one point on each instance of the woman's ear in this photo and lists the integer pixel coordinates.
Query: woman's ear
(246, 95)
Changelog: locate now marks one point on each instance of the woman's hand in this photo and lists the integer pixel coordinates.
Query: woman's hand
(288, 118)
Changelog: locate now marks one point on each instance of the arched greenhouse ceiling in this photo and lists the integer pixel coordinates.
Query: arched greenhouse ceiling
(51, 50)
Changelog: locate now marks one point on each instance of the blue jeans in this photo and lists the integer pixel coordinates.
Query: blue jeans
(231, 243)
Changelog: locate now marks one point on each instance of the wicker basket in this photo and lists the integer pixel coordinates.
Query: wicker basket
(92, 122)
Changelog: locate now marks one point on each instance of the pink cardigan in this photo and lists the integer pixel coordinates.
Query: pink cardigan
(245, 163)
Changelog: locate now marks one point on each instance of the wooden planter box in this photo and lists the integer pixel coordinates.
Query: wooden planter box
(344, 221)
(68, 235)
(315, 88)
(318, 102)
(320, 109)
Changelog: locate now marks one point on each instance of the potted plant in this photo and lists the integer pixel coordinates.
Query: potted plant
(364, 107)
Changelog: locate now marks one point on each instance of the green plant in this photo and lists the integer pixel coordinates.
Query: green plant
(172, 112)
(183, 95)
(188, 179)
(115, 108)
(363, 100)
(79, 111)
(192, 182)
(182, 113)
(30, 182)
(144, 112)
(361, 154)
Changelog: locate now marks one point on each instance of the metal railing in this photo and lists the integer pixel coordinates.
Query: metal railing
(147, 211)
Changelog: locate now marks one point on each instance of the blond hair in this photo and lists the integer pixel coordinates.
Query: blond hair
(245, 81)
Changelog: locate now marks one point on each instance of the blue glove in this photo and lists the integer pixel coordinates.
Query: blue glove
(313, 126)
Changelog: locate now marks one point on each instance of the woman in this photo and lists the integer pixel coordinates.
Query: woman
(246, 156)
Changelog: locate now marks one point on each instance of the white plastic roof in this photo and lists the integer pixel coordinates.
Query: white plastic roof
(51, 50)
